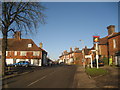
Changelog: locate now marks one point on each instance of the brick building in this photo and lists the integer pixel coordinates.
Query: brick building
(103, 49)
(19, 49)
(110, 45)
(75, 56)
(71, 57)
(114, 45)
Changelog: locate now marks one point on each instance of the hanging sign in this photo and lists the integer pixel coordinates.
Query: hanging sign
(96, 39)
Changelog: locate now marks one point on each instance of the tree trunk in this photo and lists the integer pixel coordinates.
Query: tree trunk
(4, 48)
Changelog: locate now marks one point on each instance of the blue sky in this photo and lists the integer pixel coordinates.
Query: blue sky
(68, 22)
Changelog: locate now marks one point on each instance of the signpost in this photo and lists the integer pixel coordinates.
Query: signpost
(96, 41)
(89, 56)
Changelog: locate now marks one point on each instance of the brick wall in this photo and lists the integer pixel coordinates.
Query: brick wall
(112, 50)
(103, 50)
(78, 58)
(29, 55)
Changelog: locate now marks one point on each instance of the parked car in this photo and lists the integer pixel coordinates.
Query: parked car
(61, 62)
(22, 63)
(100, 63)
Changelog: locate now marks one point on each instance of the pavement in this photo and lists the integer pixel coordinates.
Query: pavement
(82, 80)
(110, 80)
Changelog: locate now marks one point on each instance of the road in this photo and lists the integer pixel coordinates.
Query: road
(53, 77)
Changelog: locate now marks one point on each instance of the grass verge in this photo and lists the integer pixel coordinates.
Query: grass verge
(93, 72)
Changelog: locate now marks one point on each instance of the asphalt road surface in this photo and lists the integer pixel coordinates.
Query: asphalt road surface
(53, 77)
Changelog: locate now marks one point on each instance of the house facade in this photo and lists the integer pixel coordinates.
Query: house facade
(72, 57)
(114, 47)
(19, 49)
(109, 46)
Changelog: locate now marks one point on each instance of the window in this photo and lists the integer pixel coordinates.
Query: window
(114, 43)
(100, 49)
(23, 53)
(6, 53)
(15, 53)
(36, 53)
(29, 45)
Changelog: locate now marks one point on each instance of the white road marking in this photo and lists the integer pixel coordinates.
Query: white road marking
(40, 79)
(36, 81)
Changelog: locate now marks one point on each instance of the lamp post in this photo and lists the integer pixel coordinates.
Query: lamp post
(83, 53)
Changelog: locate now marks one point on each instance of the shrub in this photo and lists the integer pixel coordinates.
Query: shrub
(105, 60)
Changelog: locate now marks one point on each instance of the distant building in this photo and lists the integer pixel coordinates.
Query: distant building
(72, 57)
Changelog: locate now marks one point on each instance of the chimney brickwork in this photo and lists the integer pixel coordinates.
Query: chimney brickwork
(70, 49)
(41, 45)
(17, 35)
(111, 29)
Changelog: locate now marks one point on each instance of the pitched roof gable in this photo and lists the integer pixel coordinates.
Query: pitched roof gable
(21, 45)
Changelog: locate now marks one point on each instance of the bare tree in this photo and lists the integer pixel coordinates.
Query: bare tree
(25, 16)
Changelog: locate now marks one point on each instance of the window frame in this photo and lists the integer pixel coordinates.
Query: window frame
(114, 43)
(23, 53)
(36, 53)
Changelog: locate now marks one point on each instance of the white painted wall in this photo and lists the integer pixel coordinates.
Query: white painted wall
(40, 62)
(61, 61)
(32, 61)
(9, 61)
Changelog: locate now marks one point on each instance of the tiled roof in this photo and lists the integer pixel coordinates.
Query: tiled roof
(78, 51)
(113, 35)
(42, 49)
(103, 40)
(92, 48)
(21, 45)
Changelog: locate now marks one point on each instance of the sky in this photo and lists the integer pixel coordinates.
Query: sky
(68, 22)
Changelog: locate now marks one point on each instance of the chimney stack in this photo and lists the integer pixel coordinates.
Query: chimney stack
(70, 49)
(41, 45)
(17, 35)
(65, 52)
(75, 49)
(111, 29)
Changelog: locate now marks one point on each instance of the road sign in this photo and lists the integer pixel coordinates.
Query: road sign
(96, 39)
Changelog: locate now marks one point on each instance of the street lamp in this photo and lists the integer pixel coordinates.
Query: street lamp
(83, 53)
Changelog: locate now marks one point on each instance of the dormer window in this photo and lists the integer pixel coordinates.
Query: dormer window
(29, 45)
